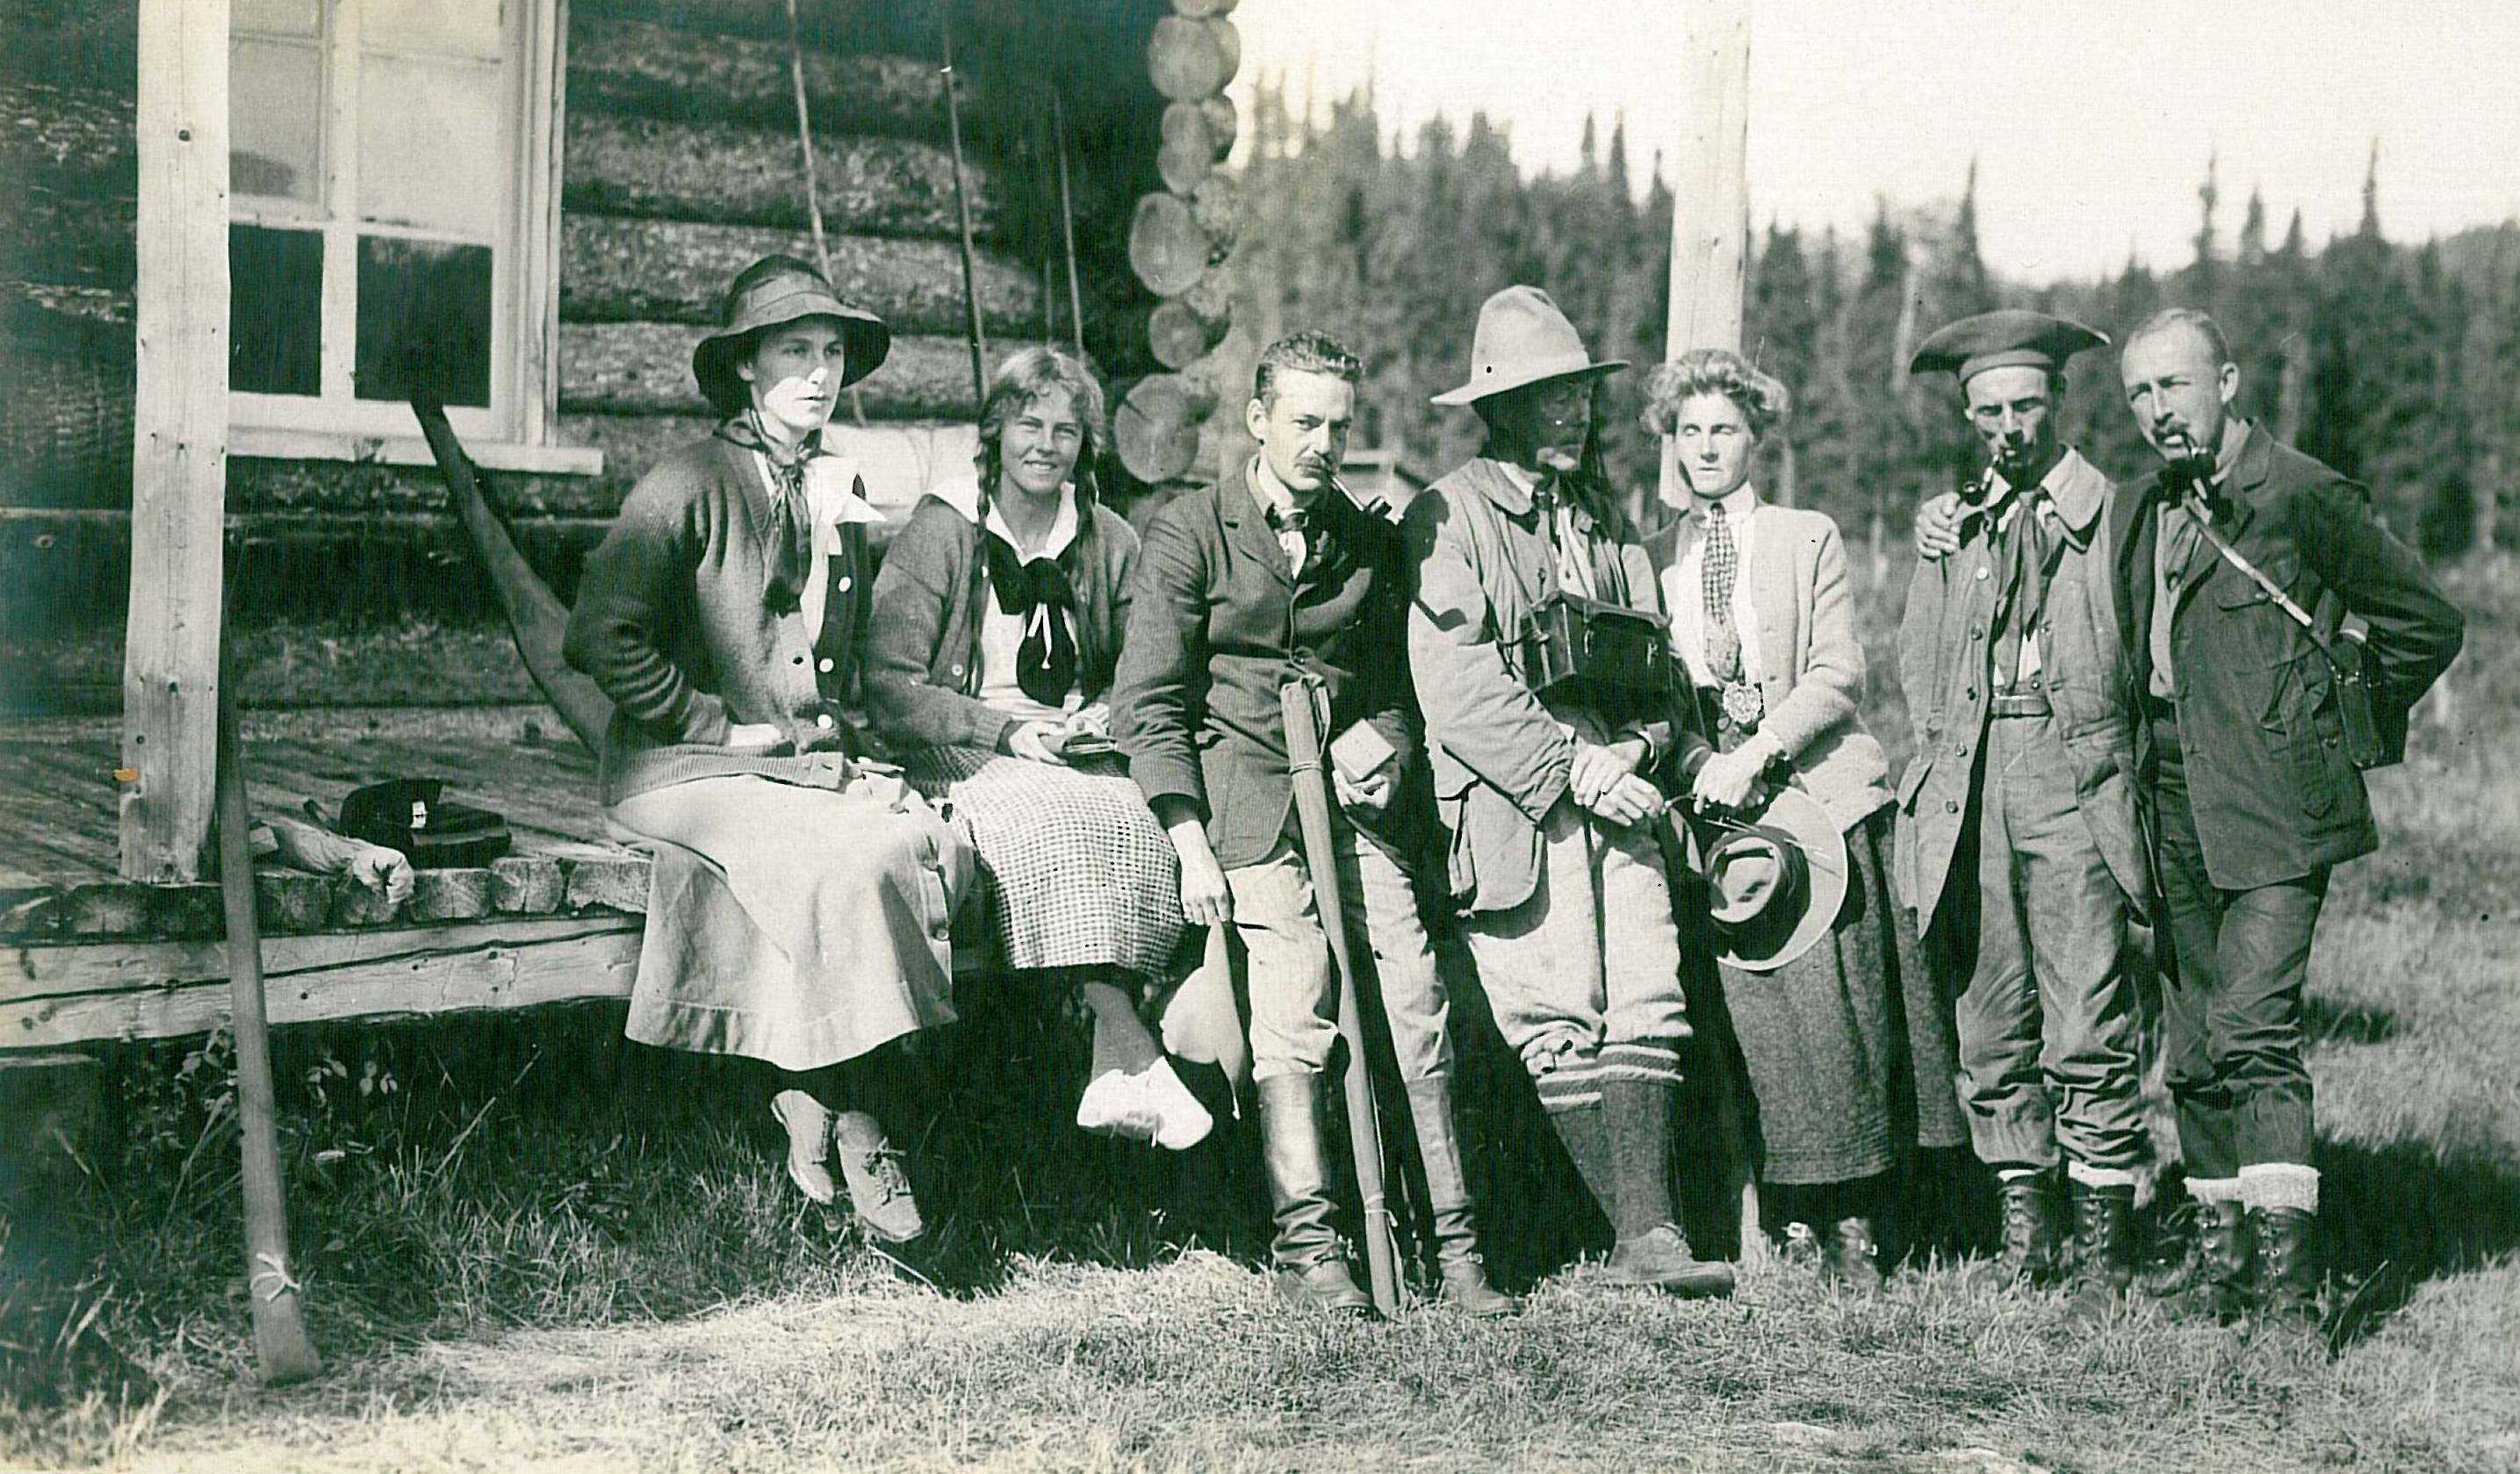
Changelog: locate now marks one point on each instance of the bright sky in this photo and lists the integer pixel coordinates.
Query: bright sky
(2092, 122)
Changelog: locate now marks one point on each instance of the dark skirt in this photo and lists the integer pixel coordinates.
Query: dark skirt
(1850, 1050)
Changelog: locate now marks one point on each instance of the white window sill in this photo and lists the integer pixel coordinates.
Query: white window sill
(267, 443)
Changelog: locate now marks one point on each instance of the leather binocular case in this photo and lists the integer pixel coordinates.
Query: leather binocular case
(1591, 648)
(2376, 734)
(409, 814)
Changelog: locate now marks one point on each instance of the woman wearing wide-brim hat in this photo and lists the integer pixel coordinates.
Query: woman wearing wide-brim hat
(1554, 854)
(800, 903)
(1849, 1053)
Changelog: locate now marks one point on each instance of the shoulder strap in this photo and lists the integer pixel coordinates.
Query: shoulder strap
(2274, 592)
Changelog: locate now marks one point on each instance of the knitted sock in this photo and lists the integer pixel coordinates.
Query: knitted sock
(2279, 1185)
(1120, 1038)
(2216, 1189)
(2100, 1177)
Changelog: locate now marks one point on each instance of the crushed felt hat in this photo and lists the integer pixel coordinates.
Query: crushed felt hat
(1776, 884)
(1523, 339)
(2005, 339)
(787, 291)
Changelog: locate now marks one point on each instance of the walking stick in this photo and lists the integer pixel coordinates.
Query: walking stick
(281, 1344)
(1305, 703)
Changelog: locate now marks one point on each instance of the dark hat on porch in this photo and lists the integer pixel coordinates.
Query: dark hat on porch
(1523, 339)
(1773, 886)
(2006, 339)
(767, 293)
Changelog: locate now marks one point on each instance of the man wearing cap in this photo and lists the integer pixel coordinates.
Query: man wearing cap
(1242, 586)
(800, 907)
(2018, 846)
(2256, 794)
(1554, 852)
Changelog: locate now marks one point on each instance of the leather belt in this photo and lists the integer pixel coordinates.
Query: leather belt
(2031, 704)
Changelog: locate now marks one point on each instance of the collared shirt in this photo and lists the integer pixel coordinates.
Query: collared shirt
(2009, 504)
(830, 498)
(1684, 585)
(1002, 634)
(1570, 532)
(2166, 579)
(1276, 502)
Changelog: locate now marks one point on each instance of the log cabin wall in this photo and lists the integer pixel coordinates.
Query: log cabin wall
(680, 165)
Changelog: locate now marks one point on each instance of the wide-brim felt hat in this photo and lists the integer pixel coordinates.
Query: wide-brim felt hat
(2007, 337)
(1523, 339)
(1776, 884)
(770, 301)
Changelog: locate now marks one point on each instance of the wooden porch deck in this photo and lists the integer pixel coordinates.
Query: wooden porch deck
(86, 956)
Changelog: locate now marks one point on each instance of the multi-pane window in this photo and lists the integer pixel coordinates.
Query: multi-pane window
(389, 212)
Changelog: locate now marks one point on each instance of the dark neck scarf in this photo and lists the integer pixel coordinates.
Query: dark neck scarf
(1036, 592)
(791, 553)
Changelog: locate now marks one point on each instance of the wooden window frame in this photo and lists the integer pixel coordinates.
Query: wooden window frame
(514, 432)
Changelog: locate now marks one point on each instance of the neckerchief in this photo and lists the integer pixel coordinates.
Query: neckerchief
(790, 555)
(1038, 593)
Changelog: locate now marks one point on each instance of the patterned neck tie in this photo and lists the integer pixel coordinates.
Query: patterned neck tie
(791, 553)
(1293, 524)
(1723, 566)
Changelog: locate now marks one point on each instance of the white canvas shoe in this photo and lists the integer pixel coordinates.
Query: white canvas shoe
(1117, 1103)
(1182, 1123)
(809, 1132)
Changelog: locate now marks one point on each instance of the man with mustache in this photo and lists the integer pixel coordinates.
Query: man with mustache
(2256, 799)
(1242, 586)
(2018, 847)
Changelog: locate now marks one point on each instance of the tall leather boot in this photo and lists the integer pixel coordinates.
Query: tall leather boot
(1652, 1251)
(1312, 1262)
(2103, 1253)
(2030, 1233)
(2287, 1262)
(1448, 1201)
(2212, 1277)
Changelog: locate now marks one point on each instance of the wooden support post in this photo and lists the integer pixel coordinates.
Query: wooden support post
(1710, 218)
(170, 657)
(1710, 253)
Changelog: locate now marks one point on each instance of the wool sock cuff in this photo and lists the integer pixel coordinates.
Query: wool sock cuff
(2100, 1177)
(2279, 1185)
(1655, 1062)
(2215, 1190)
(2016, 1173)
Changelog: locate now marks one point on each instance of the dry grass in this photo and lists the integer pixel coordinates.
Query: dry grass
(576, 1261)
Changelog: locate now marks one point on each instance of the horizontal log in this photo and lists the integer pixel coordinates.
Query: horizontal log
(645, 369)
(1156, 430)
(615, 269)
(1177, 335)
(1188, 58)
(1168, 250)
(897, 461)
(435, 971)
(732, 174)
(645, 69)
(84, 240)
(66, 425)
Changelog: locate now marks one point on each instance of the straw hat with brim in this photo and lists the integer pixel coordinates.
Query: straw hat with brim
(1523, 339)
(1775, 885)
(775, 298)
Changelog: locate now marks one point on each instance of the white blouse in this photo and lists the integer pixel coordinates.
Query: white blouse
(1683, 588)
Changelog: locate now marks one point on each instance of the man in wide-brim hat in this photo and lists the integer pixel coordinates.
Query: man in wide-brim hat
(800, 907)
(2018, 847)
(1554, 850)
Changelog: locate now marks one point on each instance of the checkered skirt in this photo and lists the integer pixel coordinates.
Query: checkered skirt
(1076, 872)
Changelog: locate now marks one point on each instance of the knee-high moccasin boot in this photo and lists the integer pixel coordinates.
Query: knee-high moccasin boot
(1651, 1250)
(1448, 1201)
(1312, 1262)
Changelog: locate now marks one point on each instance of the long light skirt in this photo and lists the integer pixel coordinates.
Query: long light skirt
(799, 925)
(1078, 874)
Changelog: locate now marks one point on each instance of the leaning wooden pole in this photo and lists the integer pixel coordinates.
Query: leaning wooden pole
(1068, 223)
(170, 649)
(281, 1348)
(1710, 256)
(1710, 216)
(963, 212)
(1303, 704)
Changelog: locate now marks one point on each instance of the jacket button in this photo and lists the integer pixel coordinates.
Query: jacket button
(1982, 571)
(1950, 805)
(824, 666)
(823, 721)
(956, 671)
(844, 583)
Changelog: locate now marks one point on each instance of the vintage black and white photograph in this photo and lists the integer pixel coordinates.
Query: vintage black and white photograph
(1259, 735)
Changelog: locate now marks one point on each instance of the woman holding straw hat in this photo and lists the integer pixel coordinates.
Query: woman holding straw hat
(1850, 1058)
(998, 622)
(799, 907)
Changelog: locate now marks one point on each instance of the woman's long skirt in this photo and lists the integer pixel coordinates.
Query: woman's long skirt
(1850, 1052)
(799, 925)
(1076, 872)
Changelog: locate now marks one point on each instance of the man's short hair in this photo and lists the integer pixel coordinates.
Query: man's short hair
(1303, 353)
(2200, 323)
